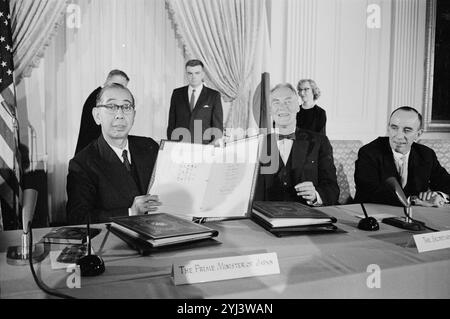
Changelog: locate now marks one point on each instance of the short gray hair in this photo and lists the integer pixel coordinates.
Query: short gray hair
(315, 89)
(284, 85)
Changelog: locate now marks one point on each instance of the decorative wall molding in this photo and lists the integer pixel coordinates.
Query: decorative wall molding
(408, 53)
(431, 125)
(331, 42)
(301, 39)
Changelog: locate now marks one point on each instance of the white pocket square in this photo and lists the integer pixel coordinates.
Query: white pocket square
(206, 106)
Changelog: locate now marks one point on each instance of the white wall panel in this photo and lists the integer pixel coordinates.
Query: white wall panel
(329, 41)
(408, 54)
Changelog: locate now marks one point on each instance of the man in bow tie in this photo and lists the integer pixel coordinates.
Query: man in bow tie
(415, 166)
(297, 165)
(195, 113)
(110, 176)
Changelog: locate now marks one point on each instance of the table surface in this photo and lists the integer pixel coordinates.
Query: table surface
(311, 266)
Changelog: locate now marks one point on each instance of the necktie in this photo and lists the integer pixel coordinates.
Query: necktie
(288, 136)
(403, 171)
(192, 101)
(126, 162)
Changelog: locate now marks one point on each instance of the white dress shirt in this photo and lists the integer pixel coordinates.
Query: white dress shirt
(197, 92)
(119, 152)
(285, 147)
(398, 163)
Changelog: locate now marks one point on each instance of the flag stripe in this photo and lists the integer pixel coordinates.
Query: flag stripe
(6, 116)
(7, 192)
(1, 218)
(9, 97)
(9, 176)
(7, 154)
(6, 132)
(10, 170)
(9, 159)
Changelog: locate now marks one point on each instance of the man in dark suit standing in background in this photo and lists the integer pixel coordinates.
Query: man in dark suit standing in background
(90, 131)
(196, 113)
(415, 166)
(111, 175)
(296, 165)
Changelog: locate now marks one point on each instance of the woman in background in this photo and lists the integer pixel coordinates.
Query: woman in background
(311, 116)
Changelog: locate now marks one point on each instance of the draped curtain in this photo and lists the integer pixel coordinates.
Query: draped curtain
(135, 36)
(150, 41)
(34, 23)
(231, 37)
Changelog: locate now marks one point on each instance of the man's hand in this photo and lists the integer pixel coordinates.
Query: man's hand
(145, 203)
(428, 199)
(307, 191)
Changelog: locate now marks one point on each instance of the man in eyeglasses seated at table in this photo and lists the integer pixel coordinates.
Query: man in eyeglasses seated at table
(89, 131)
(296, 165)
(110, 176)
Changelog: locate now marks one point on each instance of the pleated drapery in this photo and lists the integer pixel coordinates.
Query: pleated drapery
(231, 38)
(34, 24)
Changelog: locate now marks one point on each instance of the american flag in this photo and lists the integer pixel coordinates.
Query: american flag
(9, 154)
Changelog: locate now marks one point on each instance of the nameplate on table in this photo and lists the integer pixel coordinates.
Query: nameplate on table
(432, 241)
(215, 269)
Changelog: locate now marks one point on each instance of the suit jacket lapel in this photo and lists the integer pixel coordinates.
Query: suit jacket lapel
(300, 150)
(186, 98)
(115, 171)
(141, 158)
(273, 157)
(202, 98)
(274, 151)
(413, 170)
(389, 163)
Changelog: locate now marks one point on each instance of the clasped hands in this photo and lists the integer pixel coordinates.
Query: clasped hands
(145, 203)
(428, 199)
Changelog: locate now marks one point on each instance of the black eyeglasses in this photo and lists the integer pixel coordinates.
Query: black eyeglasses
(113, 108)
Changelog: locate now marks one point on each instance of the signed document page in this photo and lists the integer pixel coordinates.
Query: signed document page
(206, 181)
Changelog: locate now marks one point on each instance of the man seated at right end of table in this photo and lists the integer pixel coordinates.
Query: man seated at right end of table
(415, 166)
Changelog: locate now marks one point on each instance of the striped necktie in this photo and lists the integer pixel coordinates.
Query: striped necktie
(403, 172)
(126, 162)
(192, 101)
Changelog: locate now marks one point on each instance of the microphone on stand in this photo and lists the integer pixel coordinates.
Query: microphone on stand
(90, 265)
(38, 282)
(406, 222)
(19, 255)
(368, 223)
(29, 253)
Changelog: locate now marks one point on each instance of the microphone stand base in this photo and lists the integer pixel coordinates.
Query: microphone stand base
(401, 222)
(16, 257)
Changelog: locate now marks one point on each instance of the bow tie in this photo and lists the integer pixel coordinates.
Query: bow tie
(288, 136)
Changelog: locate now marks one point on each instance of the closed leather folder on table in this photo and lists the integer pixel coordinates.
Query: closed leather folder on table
(284, 217)
(159, 230)
(69, 235)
